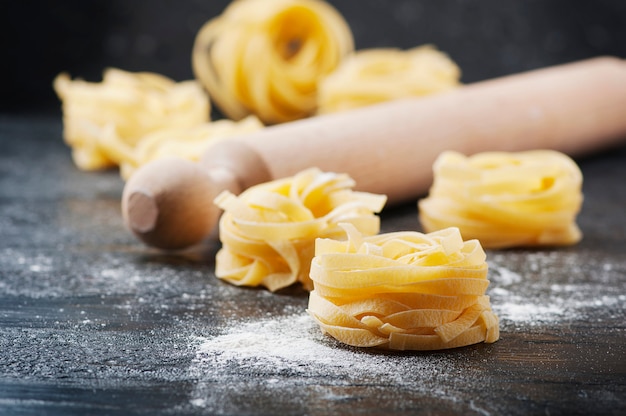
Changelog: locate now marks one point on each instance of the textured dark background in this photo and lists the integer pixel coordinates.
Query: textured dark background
(486, 38)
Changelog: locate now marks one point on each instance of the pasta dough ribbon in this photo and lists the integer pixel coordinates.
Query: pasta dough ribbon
(268, 232)
(387, 298)
(506, 199)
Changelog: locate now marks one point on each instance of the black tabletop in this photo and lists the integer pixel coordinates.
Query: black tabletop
(93, 322)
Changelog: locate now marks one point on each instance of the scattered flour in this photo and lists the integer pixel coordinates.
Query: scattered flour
(280, 342)
(529, 313)
(529, 301)
(503, 276)
(271, 357)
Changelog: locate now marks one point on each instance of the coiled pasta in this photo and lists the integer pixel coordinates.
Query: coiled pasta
(265, 57)
(371, 76)
(268, 232)
(129, 119)
(127, 105)
(506, 199)
(403, 290)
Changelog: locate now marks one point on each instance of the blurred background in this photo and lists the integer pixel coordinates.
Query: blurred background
(486, 38)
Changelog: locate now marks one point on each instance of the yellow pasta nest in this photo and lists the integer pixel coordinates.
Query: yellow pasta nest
(376, 75)
(402, 290)
(265, 57)
(506, 199)
(126, 105)
(268, 232)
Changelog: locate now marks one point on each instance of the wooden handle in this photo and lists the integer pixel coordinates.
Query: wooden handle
(388, 148)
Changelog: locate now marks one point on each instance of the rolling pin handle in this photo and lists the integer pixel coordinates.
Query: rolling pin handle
(168, 203)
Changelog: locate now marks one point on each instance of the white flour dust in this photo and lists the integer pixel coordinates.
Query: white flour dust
(274, 355)
(284, 342)
(534, 300)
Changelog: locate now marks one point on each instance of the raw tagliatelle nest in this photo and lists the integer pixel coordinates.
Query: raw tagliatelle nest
(402, 290)
(129, 119)
(265, 57)
(372, 76)
(125, 105)
(505, 199)
(268, 232)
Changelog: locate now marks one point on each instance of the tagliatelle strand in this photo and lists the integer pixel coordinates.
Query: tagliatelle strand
(369, 297)
(415, 342)
(398, 275)
(506, 199)
(268, 232)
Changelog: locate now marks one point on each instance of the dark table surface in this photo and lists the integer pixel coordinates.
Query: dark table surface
(93, 322)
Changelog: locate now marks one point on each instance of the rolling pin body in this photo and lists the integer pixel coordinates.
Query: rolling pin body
(390, 148)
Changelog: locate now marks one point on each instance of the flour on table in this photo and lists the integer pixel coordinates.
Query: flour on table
(276, 354)
(283, 341)
(534, 300)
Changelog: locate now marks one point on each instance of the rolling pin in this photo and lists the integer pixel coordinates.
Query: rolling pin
(389, 148)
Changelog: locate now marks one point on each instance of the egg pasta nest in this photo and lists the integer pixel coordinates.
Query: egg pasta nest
(372, 76)
(506, 199)
(265, 57)
(402, 290)
(268, 232)
(124, 107)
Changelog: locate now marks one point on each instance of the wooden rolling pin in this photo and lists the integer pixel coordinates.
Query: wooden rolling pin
(389, 148)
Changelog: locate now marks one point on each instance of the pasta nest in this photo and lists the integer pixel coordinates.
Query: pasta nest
(265, 57)
(504, 199)
(372, 76)
(403, 290)
(126, 106)
(268, 232)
